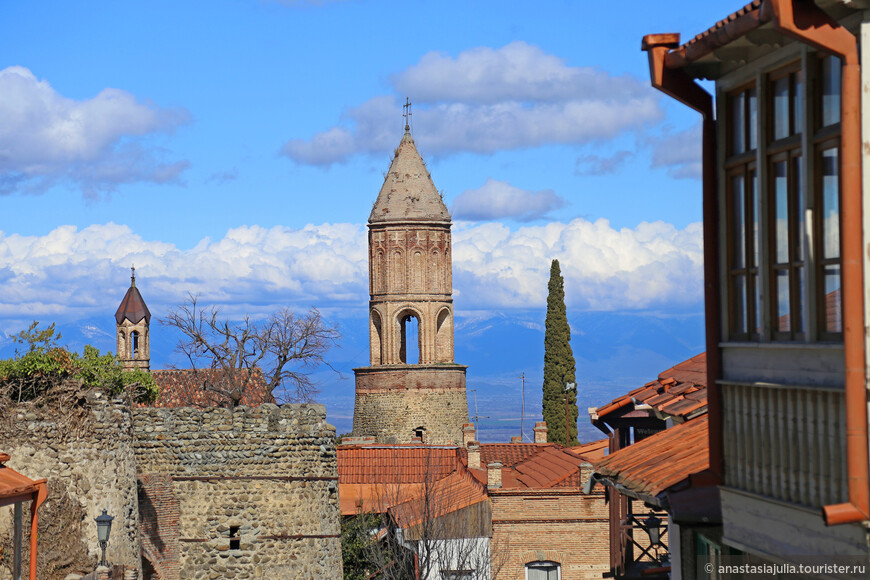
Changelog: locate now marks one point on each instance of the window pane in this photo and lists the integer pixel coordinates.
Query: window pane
(738, 228)
(753, 118)
(830, 204)
(780, 193)
(798, 207)
(797, 103)
(833, 301)
(739, 297)
(830, 90)
(783, 324)
(780, 108)
(755, 208)
(738, 122)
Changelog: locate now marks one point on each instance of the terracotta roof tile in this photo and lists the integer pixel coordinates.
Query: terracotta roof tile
(184, 388)
(509, 454)
(456, 491)
(395, 463)
(660, 461)
(593, 451)
(667, 394)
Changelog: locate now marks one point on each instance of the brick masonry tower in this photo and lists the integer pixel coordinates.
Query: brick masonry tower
(410, 283)
(132, 323)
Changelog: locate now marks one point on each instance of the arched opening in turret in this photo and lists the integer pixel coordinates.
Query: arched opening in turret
(420, 433)
(444, 336)
(375, 339)
(409, 338)
(134, 344)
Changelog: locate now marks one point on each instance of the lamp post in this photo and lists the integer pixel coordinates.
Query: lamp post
(652, 523)
(104, 528)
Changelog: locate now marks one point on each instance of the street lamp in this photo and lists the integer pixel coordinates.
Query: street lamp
(652, 524)
(104, 528)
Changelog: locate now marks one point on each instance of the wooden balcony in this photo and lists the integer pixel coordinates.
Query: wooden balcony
(786, 442)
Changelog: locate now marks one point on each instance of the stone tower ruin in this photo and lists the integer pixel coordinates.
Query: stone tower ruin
(410, 283)
(132, 323)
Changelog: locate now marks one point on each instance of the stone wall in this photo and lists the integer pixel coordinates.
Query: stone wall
(391, 402)
(90, 466)
(266, 474)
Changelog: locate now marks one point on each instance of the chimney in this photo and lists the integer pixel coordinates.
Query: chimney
(516, 439)
(473, 455)
(541, 432)
(468, 435)
(493, 475)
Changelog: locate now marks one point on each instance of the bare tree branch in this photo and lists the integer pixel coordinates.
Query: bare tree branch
(239, 355)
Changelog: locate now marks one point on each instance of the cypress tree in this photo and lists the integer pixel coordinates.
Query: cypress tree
(559, 363)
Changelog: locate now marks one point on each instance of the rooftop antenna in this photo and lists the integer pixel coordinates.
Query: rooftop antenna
(476, 416)
(407, 114)
(133, 276)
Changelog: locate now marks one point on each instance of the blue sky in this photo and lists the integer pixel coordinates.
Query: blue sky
(234, 148)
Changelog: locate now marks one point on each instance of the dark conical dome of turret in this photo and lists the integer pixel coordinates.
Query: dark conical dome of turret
(408, 193)
(133, 306)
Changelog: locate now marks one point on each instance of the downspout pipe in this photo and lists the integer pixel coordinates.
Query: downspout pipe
(807, 23)
(675, 83)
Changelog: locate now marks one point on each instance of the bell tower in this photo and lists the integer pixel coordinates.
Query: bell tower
(412, 389)
(132, 324)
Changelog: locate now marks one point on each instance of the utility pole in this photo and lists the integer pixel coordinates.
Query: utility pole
(523, 407)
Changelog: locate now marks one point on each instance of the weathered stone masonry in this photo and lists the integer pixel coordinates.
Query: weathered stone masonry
(266, 474)
(89, 469)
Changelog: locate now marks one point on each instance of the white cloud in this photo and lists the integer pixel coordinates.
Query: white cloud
(598, 165)
(515, 72)
(499, 199)
(95, 144)
(487, 100)
(679, 153)
(70, 274)
(651, 266)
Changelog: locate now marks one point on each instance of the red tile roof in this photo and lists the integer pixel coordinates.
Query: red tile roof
(509, 454)
(593, 451)
(395, 463)
(454, 492)
(184, 388)
(377, 477)
(548, 468)
(678, 392)
(660, 461)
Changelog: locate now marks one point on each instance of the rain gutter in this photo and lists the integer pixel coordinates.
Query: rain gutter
(807, 23)
(675, 83)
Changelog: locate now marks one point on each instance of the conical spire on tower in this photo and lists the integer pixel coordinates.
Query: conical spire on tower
(408, 193)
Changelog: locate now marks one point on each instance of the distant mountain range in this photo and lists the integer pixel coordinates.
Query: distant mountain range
(615, 352)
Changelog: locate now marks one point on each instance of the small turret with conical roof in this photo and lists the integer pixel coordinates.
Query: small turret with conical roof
(133, 320)
(401, 397)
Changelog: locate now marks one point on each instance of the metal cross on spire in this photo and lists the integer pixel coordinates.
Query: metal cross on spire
(407, 114)
(133, 276)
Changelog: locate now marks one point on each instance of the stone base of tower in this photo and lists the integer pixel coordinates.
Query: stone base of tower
(393, 403)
